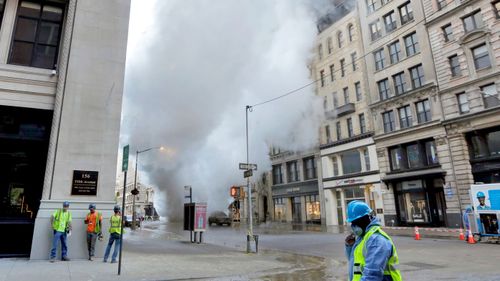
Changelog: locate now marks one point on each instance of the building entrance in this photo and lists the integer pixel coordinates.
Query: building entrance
(24, 138)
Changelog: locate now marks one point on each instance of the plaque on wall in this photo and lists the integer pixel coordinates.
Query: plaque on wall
(84, 183)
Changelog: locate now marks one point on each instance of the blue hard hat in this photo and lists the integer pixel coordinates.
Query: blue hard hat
(91, 206)
(66, 204)
(468, 208)
(116, 208)
(356, 210)
(480, 194)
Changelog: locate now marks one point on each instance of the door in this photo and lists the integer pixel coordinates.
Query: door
(296, 210)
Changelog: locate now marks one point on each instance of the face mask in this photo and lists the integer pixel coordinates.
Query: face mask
(357, 230)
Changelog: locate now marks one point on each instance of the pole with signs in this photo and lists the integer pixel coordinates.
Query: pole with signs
(250, 220)
(124, 170)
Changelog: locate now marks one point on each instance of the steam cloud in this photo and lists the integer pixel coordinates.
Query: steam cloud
(192, 66)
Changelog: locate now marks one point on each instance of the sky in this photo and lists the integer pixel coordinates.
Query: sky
(192, 67)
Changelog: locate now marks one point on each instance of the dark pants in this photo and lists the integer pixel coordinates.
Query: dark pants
(114, 237)
(64, 247)
(91, 238)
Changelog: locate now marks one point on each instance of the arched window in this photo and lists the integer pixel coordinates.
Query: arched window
(340, 39)
(350, 30)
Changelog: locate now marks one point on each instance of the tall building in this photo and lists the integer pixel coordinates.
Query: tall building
(296, 197)
(412, 147)
(144, 201)
(61, 80)
(465, 40)
(347, 149)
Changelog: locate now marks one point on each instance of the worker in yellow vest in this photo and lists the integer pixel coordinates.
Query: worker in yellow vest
(371, 253)
(93, 220)
(115, 230)
(61, 226)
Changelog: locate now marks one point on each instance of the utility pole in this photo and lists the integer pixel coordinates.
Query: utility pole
(249, 191)
(124, 193)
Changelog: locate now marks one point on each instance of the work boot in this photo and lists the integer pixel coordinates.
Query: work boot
(113, 261)
(52, 260)
(90, 258)
(65, 259)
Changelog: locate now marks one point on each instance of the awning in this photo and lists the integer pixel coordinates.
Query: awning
(414, 174)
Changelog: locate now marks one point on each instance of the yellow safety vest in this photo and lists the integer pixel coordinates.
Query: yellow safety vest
(61, 220)
(359, 257)
(116, 226)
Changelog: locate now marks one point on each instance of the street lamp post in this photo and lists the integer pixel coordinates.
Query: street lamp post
(135, 191)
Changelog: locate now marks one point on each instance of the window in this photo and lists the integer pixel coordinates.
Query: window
(309, 168)
(395, 52)
(357, 88)
(339, 131)
(396, 155)
(2, 7)
(37, 34)
(313, 209)
(405, 118)
(417, 76)
(414, 156)
(332, 72)
(490, 95)
(335, 165)
(366, 156)
(406, 13)
(383, 89)
(411, 44)
(346, 95)
(431, 153)
(390, 22)
(322, 77)
(342, 67)
(472, 21)
(463, 103)
(350, 31)
(350, 129)
(399, 83)
(481, 56)
(447, 32)
(353, 59)
(442, 3)
(351, 162)
(329, 45)
(371, 5)
(327, 133)
(362, 123)
(388, 119)
(376, 30)
(385, 2)
(340, 39)
(325, 103)
(423, 111)
(320, 51)
(379, 59)
(454, 66)
(496, 8)
(335, 100)
(292, 170)
(277, 174)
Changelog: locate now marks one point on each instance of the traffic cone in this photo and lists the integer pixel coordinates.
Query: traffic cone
(471, 238)
(417, 234)
(461, 236)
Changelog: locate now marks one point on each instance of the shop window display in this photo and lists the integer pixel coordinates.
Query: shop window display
(313, 211)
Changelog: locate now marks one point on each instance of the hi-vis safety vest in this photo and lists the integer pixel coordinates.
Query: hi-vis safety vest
(359, 257)
(58, 216)
(116, 226)
(98, 218)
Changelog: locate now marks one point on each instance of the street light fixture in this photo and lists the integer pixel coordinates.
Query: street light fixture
(135, 191)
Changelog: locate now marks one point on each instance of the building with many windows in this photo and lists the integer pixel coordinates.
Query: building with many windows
(347, 149)
(62, 68)
(295, 193)
(412, 148)
(465, 40)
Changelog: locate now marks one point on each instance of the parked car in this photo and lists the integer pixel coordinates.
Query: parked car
(128, 221)
(219, 218)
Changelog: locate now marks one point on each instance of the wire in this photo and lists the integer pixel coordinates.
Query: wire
(335, 71)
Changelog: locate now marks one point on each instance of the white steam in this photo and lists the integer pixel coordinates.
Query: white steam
(192, 66)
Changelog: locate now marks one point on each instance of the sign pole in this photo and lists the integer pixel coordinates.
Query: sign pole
(124, 170)
(249, 191)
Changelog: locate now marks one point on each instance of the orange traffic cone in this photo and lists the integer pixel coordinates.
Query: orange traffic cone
(417, 234)
(471, 240)
(461, 236)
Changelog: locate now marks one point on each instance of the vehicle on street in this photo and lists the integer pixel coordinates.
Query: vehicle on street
(219, 218)
(128, 221)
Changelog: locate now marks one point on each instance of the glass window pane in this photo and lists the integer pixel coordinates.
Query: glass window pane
(29, 9)
(414, 157)
(21, 53)
(430, 150)
(396, 158)
(494, 143)
(52, 13)
(44, 57)
(26, 30)
(49, 33)
(351, 162)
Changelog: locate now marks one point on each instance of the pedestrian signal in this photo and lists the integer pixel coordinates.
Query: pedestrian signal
(234, 191)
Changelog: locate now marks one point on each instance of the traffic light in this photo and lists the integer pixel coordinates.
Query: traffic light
(234, 191)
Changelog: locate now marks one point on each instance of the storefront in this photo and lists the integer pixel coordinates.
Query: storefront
(297, 203)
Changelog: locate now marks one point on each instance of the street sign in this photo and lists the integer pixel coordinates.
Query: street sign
(125, 158)
(248, 174)
(246, 166)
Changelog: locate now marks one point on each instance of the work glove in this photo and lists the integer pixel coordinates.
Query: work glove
(100, 236)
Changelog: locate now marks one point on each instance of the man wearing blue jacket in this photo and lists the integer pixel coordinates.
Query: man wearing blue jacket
(372, 255)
